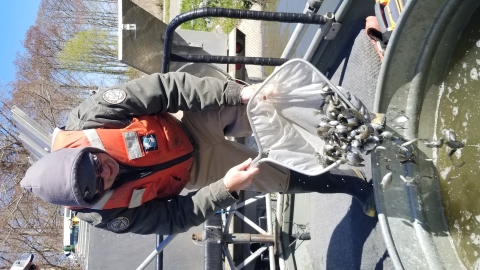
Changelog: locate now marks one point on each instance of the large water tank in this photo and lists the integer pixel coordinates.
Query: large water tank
(429, 83)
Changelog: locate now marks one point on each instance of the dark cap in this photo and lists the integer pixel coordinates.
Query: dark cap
(64, 177)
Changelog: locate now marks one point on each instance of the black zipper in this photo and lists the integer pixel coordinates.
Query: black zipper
(136, 173)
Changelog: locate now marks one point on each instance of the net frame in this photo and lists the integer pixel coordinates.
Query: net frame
(296, 74)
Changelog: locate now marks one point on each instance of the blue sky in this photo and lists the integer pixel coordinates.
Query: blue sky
(15, 17)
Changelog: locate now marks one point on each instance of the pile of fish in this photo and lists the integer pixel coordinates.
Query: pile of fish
(346, 133)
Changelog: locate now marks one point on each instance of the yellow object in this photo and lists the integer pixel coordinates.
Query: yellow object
(379, 119)
(75, 220)
(392, 10)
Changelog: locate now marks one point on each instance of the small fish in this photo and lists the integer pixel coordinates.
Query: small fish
(362, 110)
(335, 99)
(451, 139)
(326, 88)
(450, 155)
(370, 143)
(410, 142)
(399, 127)
(354, 159)
(404, 159)
(322, 130)
(328, 148)
(352, 122)
(380, 148)
(388, 167)
(406, 179)
(403, 150)
(429, 159)
(356, 143)
(401, 119)
(455, 144)
(331, 159)
(387, 179)
(342, 129)
(328, 99)
(449, 135)
(376, 127)
(451, 178)
(365, 133)
(324, 123)
(356, 113)
(327, 108)
(386, 135)
(401, 158)
(397, 140)
(409, 161)
(436, 144)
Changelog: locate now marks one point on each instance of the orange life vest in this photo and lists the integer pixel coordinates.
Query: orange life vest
(134, 146)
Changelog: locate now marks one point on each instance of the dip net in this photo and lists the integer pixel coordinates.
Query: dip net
(300, 120)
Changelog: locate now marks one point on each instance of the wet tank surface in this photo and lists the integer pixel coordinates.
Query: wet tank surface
(429, 84)
(458, 109)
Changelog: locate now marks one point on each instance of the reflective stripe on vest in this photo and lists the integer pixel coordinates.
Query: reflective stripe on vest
(126, 147)
(100, 204)
(93, 138)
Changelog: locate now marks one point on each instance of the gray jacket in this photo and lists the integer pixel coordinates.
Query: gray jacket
(153, 94)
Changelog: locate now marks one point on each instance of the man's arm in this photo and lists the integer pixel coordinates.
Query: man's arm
(157, 93)
(179, 214)
(164, 217)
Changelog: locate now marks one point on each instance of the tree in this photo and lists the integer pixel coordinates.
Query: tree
(27, 224)
(92, 51)
(49, 82)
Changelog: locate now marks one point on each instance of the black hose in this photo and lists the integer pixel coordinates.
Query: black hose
(236, 14)
(218, 59)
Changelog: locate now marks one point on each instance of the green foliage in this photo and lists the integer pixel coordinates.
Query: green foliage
(167, 11)
(90, 51)
(201, 24)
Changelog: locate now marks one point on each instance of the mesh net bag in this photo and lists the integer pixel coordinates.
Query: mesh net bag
(302, 121)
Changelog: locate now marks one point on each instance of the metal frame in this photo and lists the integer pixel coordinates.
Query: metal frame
(238, 14)
(327, 26)
(267, 237)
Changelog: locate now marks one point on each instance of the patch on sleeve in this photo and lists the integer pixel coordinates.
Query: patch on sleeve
(118, 224)
(114, 96)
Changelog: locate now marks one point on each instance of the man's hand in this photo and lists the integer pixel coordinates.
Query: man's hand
(247, 92)
(239, 177)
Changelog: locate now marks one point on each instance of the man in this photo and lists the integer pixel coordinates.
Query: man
(25, 264)
(122, 159)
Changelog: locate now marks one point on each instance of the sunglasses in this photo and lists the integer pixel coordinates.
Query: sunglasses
(98, 179)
